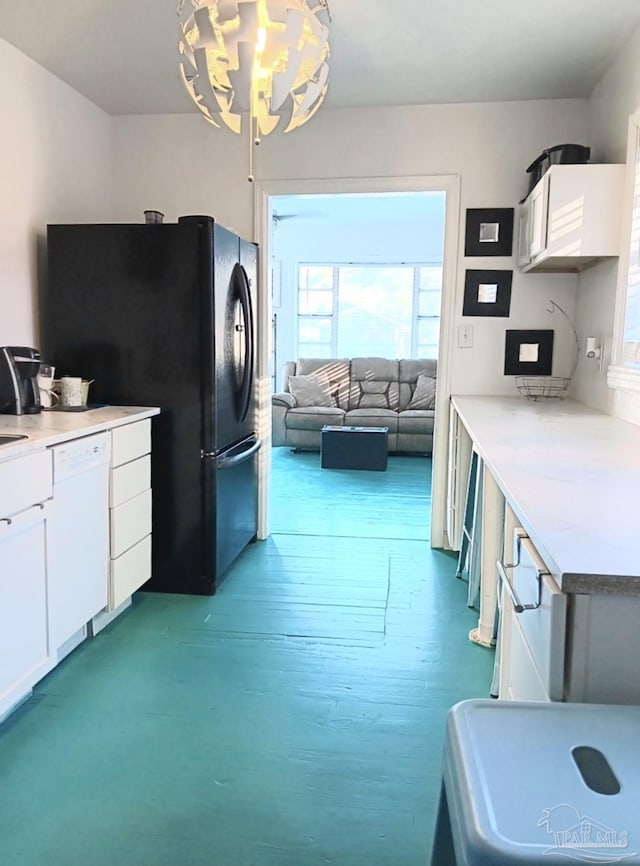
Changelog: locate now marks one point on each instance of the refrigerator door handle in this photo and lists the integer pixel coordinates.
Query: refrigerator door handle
(244, 296)
(235, 457)
(240, 457)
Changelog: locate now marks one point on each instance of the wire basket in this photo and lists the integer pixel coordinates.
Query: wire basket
(534, 387)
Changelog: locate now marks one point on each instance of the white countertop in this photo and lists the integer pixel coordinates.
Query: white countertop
(572, 477)
(52, 427)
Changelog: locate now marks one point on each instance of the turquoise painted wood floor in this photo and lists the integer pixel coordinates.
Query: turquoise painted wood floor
(294, 719)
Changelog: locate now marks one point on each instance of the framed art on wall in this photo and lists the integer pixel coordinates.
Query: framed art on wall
(489, 231)
(487, 293)
(528, 353)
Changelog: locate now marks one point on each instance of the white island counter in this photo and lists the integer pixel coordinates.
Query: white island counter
(572, 477)
(559, 501)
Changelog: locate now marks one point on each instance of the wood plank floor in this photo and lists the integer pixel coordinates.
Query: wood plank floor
(294, 719)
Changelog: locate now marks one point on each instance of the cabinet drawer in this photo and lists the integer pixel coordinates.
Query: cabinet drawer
(524, 683)
(130, 522)
(129, 480)
(130, 441)
(129, 572)
(542, 628)
(24, 482)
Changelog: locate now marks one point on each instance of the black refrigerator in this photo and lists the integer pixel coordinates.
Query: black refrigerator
(163, 315)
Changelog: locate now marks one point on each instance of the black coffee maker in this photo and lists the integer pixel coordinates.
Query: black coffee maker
(19, 392)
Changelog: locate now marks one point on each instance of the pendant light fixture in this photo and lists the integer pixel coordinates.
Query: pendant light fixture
(248, 64)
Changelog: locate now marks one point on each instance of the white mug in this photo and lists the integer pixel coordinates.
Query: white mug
(71, 391)
(45, 385)
(48, 398)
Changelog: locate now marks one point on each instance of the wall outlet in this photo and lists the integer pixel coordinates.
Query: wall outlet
(465, 336)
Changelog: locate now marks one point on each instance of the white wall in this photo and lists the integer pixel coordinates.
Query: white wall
(613, 100)
(55, 166)
(180, 164)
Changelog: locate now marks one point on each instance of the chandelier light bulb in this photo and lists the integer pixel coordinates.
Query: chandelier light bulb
(255, 62)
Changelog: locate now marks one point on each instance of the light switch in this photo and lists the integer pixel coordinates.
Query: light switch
(465, 336)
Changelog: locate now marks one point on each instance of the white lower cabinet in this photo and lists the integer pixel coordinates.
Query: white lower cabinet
(25, 497)
(603, 648)
(563, 647)
(24, 649)
(129, 510)
(75, 544)
(532, 626)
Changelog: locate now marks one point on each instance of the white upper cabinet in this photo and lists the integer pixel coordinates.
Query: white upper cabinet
(571, 218)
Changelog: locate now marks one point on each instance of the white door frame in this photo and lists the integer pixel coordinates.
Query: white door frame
(450, 185)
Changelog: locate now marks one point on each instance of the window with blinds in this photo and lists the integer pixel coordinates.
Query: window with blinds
(389, 311)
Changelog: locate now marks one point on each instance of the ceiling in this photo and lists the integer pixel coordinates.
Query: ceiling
(122, 55)
(288, 211)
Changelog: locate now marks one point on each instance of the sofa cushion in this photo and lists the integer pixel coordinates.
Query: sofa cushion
(336, 369)
(311, 390)
(416, 421)
(314, 417)
(372, 418)
(409, 371)
(374, 395)
(374, 384)
(424, 394)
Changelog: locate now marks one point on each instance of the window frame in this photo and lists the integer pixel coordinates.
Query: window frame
(621, 376)
(416, 318)
(312, 316)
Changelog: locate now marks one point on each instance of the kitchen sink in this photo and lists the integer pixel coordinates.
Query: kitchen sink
(8, 438)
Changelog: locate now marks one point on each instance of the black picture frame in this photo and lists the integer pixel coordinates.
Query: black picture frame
(515, 365)
(487, 293)
(489, 231)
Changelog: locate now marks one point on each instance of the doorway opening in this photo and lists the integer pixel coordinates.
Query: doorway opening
(355, 275)
(317, 208)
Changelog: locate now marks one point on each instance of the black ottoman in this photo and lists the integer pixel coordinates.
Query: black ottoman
(354, 448)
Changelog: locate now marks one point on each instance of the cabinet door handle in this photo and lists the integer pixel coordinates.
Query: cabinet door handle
(9, 521)
(517, 604)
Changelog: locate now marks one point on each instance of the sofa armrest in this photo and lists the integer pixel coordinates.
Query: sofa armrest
(283, 398)
(279, 422)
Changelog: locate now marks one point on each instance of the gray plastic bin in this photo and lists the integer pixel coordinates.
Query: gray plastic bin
(543, 783)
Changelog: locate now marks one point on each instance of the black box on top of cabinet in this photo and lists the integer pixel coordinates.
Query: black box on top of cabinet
(354, 448)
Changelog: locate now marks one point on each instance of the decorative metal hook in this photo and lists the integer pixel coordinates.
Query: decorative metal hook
(555, 306)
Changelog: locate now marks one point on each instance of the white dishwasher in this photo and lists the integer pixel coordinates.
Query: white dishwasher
(78, 543)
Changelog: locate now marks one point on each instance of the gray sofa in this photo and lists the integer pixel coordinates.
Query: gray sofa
(357, 392)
